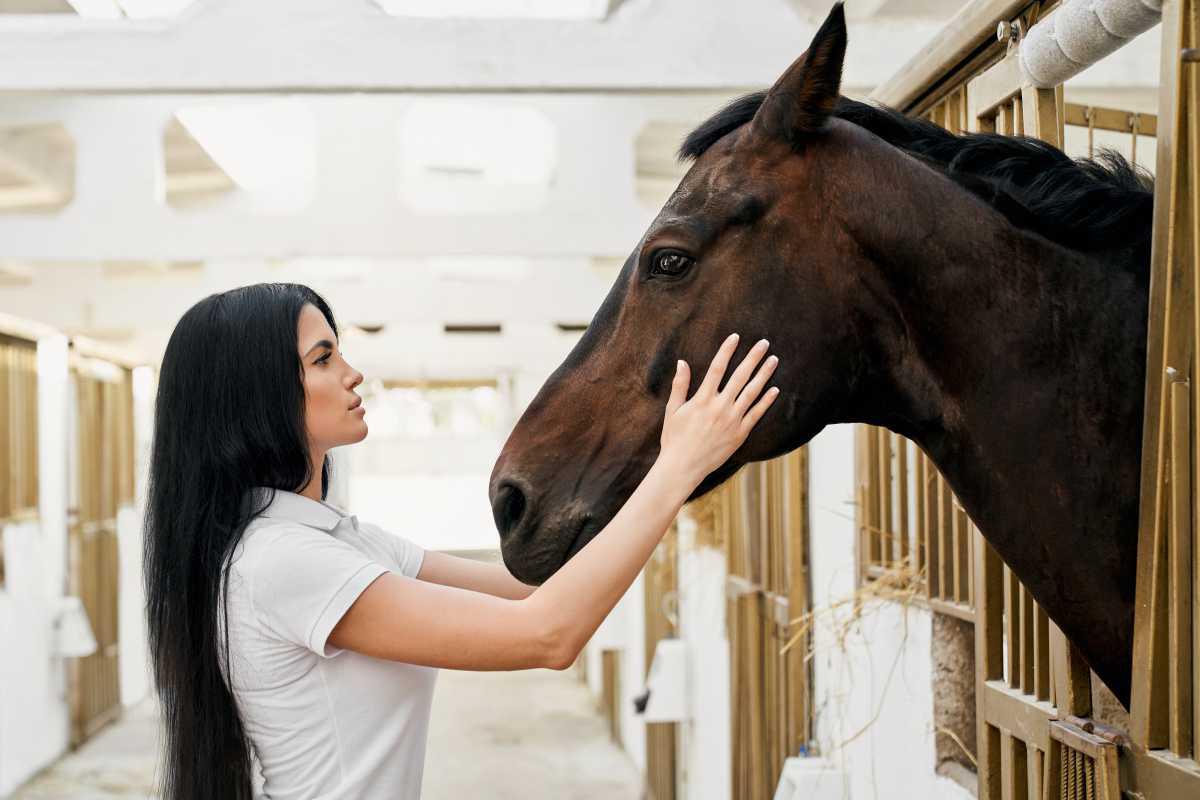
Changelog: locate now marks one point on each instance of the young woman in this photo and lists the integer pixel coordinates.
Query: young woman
(282, 625)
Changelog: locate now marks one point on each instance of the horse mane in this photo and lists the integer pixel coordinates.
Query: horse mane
(1095, 204)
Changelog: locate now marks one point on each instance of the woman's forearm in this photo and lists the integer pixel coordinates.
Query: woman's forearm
(699, 434)
(573, 602)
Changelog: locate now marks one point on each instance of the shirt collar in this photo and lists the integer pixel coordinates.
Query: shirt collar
(298, 508)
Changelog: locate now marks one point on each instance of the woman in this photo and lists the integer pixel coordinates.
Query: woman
(255, 584)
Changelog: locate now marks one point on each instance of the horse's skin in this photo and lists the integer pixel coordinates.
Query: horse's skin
(893, 296)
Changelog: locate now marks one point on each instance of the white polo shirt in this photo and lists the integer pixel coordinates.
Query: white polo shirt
(323, 722)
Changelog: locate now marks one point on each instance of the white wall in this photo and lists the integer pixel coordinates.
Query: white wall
(34, 720)
(34, 708)
(623, 630)
(704, 740)
(873, 675)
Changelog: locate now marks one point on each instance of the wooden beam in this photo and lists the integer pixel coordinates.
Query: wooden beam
(1148, 705)
(971, 30)
(333, 46)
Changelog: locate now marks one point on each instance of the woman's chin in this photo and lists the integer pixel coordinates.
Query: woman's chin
(356, 434)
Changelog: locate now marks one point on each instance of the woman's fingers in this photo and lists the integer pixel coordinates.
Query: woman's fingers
(754, 388)
(720, 363)
(744, 370)
(679, 387)
(755, 414)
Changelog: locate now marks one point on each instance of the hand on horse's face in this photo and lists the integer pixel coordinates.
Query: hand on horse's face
(700, 434)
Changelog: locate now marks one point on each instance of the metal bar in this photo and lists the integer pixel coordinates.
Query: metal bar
(1012, 590)
(989, 599)
(922, 532)
(1108, 119)
(970, 31)
(1025, 632)
(1192, 165)
(933, 539)
(1041, 653)
(1179, 560)
(945, 526)
(958, 567)
(886, 490)
(902, 483)
(1004, 122)
(1167, 289)
(962, 587)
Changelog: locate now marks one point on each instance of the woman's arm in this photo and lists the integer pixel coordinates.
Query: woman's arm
(419, 622)
(467, 573)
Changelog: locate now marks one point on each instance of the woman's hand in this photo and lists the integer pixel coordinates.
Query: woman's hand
(550, 627)
(700, 434)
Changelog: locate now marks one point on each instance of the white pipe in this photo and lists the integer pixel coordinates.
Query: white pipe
(1080, 33)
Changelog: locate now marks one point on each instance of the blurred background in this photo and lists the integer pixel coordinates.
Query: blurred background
(461, 180)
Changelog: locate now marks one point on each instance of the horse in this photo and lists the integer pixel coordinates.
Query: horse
(984, 296)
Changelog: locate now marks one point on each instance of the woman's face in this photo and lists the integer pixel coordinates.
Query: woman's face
(328, 385)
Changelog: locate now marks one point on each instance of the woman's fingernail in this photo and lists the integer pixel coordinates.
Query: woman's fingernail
(773, 360)
(679, 366)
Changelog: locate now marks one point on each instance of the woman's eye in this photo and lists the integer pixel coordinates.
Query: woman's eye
(670, 262)
(323, 358)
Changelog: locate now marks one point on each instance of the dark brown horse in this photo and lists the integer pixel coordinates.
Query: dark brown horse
(983, 296)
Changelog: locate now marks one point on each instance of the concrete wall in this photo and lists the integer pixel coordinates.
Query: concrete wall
(34, 709)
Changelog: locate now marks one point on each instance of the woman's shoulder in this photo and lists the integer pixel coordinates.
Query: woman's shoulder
(264, 537)
(405, 555)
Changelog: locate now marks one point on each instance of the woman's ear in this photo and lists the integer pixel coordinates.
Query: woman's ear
(805, 95)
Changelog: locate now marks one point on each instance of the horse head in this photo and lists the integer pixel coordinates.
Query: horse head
(742, 246)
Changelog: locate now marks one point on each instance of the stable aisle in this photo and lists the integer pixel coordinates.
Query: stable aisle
(495, 736)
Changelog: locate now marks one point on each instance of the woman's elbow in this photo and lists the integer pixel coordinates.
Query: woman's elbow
(560, 659)
(555, 646)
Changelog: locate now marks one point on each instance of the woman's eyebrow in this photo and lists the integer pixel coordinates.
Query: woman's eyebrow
(321, 343)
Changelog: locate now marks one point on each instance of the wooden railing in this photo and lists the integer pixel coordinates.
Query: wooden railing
(104, 480)
(18, 427)
(909, 521)
(610, 692)
(760, 518)
(18, 433)
(1166, 686)
(660, 587)
(1032, 690)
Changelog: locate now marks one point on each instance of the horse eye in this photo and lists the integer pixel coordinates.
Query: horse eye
(670, 262)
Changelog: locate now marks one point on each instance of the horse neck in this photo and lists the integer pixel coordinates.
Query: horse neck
(1018, 367)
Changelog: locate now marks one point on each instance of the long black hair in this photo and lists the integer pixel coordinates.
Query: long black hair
(229, 416)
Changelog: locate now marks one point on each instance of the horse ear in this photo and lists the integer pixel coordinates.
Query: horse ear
(806, 94)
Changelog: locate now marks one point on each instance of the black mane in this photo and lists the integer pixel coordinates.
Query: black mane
(1089, 204)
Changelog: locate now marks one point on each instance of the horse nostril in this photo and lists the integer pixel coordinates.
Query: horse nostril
(508, 506)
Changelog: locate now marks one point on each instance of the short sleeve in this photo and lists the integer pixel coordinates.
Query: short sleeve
(408, 554)
(304, 580)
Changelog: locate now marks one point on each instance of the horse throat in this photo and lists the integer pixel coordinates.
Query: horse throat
(1018, 366)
